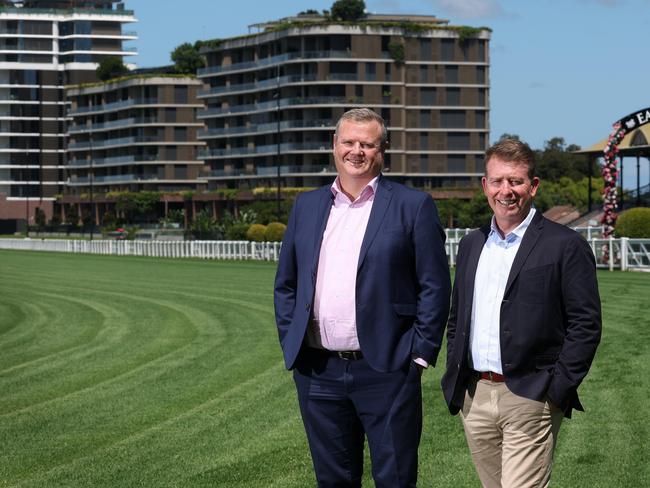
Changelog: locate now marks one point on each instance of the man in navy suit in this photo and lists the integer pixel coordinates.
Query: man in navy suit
(523, 329)
(361, 300)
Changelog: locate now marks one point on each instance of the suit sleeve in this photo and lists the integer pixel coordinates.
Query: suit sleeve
(581, 303)
(432, 275)
(286, 278)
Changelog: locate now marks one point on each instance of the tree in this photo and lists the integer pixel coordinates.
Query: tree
(187, 59)
(350, 10)
(111, 67)
(557, 160)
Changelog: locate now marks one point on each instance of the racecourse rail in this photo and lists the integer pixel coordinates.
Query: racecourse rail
(628, 254)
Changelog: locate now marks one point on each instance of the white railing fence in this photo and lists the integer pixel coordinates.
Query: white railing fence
(626, 253)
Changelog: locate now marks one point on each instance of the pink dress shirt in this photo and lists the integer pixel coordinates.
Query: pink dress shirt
(334, 323)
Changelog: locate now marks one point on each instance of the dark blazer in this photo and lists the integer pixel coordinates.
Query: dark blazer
(550, 316)
(402, 289)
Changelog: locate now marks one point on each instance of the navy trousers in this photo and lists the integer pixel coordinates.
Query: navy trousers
(341, 401)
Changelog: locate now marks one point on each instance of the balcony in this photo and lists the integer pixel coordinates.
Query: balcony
(82, 129)
(261, 63)
(114, 161)
(272, 105)
(285, 147)
(105, 180)
(112, 106)
(271, 171)
(121, 141)
(326, 124)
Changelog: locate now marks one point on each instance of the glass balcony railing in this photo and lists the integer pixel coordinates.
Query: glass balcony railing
(121, 141)
(66, 11)
(266, 149)
(261, 63)
(268, 127)
(114, 161)
(80, 129)
(258, 85)
(97, 180)
(271, 171)
(271, 105)
(113, 106)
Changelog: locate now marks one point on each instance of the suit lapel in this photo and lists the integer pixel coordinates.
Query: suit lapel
(379, 207)
(527, 244)
(472, 263)
(322, 215)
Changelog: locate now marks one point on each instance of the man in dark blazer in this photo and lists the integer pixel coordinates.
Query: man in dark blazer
(361, 300)
(523, 329)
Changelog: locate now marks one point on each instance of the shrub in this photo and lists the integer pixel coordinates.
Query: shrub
(236, 231)
(349, 10)
(274, 232)
(256, 232)
(634, 223)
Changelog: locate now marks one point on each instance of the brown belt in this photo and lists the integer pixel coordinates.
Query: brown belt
(490, 376)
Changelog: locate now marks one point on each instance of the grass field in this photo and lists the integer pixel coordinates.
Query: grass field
(138, 372)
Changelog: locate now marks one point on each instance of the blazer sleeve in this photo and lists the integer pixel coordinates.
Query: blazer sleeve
(286, 278)
(432, 275)
(581, 304)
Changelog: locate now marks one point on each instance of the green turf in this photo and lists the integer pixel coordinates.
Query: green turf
(128, 372)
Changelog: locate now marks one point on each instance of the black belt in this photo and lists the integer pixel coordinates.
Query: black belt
(347, 355)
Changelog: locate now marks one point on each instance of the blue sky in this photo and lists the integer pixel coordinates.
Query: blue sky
(567, 68)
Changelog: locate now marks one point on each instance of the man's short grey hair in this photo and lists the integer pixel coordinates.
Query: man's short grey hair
(364, 115)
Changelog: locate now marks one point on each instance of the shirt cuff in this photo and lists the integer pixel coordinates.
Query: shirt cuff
(421, 362)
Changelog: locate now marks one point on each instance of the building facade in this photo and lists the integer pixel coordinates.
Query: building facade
(272, 99)
(44, 46)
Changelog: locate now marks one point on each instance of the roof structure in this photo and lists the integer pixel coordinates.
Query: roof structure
(637, 142)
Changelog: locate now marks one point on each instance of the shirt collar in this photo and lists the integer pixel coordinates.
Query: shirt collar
(517, 233)
(369, 190)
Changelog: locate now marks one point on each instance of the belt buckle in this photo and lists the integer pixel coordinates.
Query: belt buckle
(348, 355)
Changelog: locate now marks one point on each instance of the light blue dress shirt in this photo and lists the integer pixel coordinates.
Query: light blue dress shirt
(492, 273)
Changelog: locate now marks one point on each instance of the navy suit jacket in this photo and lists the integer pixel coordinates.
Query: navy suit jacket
(402, 287)
(550, 321)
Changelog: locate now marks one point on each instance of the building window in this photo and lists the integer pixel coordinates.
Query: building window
(427, 96)
(452, 119)
(451, 74)
(180, 134)
(481, 50)
(456, 163)
(424, 141)
(446, 49)
(425, 49)
(171, 153)
(424, 74)
(481, 96)
(479, 119)
(371, 71)
(180, 94)
(358, 91)
(453, 97)
(479, 164)
(480, 75)
(180, 172)
(170, 114)
(388, 71)
(424, 163)
(425, 118)
(458, 141)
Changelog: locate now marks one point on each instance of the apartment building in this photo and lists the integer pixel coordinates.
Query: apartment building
(272, 99)
(137, 133)
(44, 46)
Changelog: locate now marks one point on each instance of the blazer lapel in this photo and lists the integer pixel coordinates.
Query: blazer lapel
(527, 244)
(379, 207)
(322, 215)
(472, 263)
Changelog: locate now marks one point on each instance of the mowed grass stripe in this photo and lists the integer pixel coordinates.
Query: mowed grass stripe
(189, 389)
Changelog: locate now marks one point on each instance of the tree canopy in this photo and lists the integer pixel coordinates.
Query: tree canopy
(348, 9)
(187, 59)
(111, 67)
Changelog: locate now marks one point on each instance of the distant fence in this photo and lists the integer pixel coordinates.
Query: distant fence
(628, 254)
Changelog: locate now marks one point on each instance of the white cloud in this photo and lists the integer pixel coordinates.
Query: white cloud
(471, 9)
